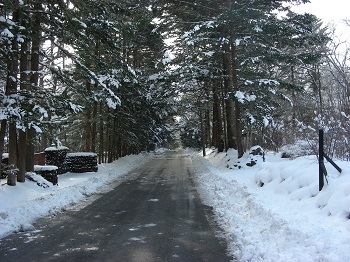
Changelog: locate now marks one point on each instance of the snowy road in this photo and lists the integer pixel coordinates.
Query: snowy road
(156, 215)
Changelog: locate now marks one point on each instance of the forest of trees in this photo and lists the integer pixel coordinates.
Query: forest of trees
(116, 77)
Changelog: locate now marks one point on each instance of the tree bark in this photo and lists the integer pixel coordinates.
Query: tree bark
(101, 142)
(22, 152)
(3, 128)
(22, 134)
(34, 79)
(94, 128)
(207, 128)
(11, 88)
(229, 103)
(11, 177)
(109, 137)
(202, 131)
(88, 122)
(238, 125)
(217, 134)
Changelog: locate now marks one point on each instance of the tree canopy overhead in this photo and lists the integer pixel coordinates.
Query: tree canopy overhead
(101, 75)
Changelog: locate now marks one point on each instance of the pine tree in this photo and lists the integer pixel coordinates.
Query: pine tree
(254, 44)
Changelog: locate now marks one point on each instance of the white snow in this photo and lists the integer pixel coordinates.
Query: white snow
(7, 33)
(111, 103)
(22, 204)
(54, 148)
(75, 108)
(153, 77)
(241, 97)
(82, 24)
(81, 154)
(45, 168)
(274, 211)
(258, 29)
(209, 53)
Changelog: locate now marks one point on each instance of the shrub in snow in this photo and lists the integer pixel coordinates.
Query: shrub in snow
(256, 153)
(300, 148)
(81, 162)
(256, 156)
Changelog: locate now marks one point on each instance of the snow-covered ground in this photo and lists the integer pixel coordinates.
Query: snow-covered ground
(273, 211)
(270, 212)
(22, 204)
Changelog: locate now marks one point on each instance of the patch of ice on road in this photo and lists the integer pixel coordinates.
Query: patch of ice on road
(150, 225)
(153, 200)
(139, 227)
(120, 212)
(91, 248)
(138, 239)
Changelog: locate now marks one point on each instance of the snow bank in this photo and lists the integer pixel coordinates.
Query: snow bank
(45, 168)
(273, 211)
(23, 204)
(77, 154)
(53, 148)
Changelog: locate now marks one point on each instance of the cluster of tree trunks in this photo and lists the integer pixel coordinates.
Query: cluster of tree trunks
(20, 142)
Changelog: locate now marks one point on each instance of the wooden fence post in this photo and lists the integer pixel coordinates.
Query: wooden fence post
(322, 172)
(320, 160)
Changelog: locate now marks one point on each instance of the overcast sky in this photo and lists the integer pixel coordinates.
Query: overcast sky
(330, 11)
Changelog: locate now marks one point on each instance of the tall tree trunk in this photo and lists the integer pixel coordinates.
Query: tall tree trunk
(217, 134)
(45, 139)
(207, 128)
(22, 135)
(94, 113)
(34, 79)
(22, 155)
(295, 106)
(223, 103)
(114, 139)
(109, 137)
(3, 128)
(11, 88)
(88, 121)
(206, 116)
(202, 130)
(101, 142)
(229, 103)
(238, 125)
(11, 178)
(94, 128)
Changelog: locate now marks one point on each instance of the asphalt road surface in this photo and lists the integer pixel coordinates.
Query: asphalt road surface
(154, 215)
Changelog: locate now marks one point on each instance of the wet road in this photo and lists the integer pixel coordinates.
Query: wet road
(154, 215)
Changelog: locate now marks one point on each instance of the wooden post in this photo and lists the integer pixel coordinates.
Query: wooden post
(320, 160)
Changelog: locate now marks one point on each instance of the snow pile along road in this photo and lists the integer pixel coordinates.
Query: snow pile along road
(273, 211)
(23, 204)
